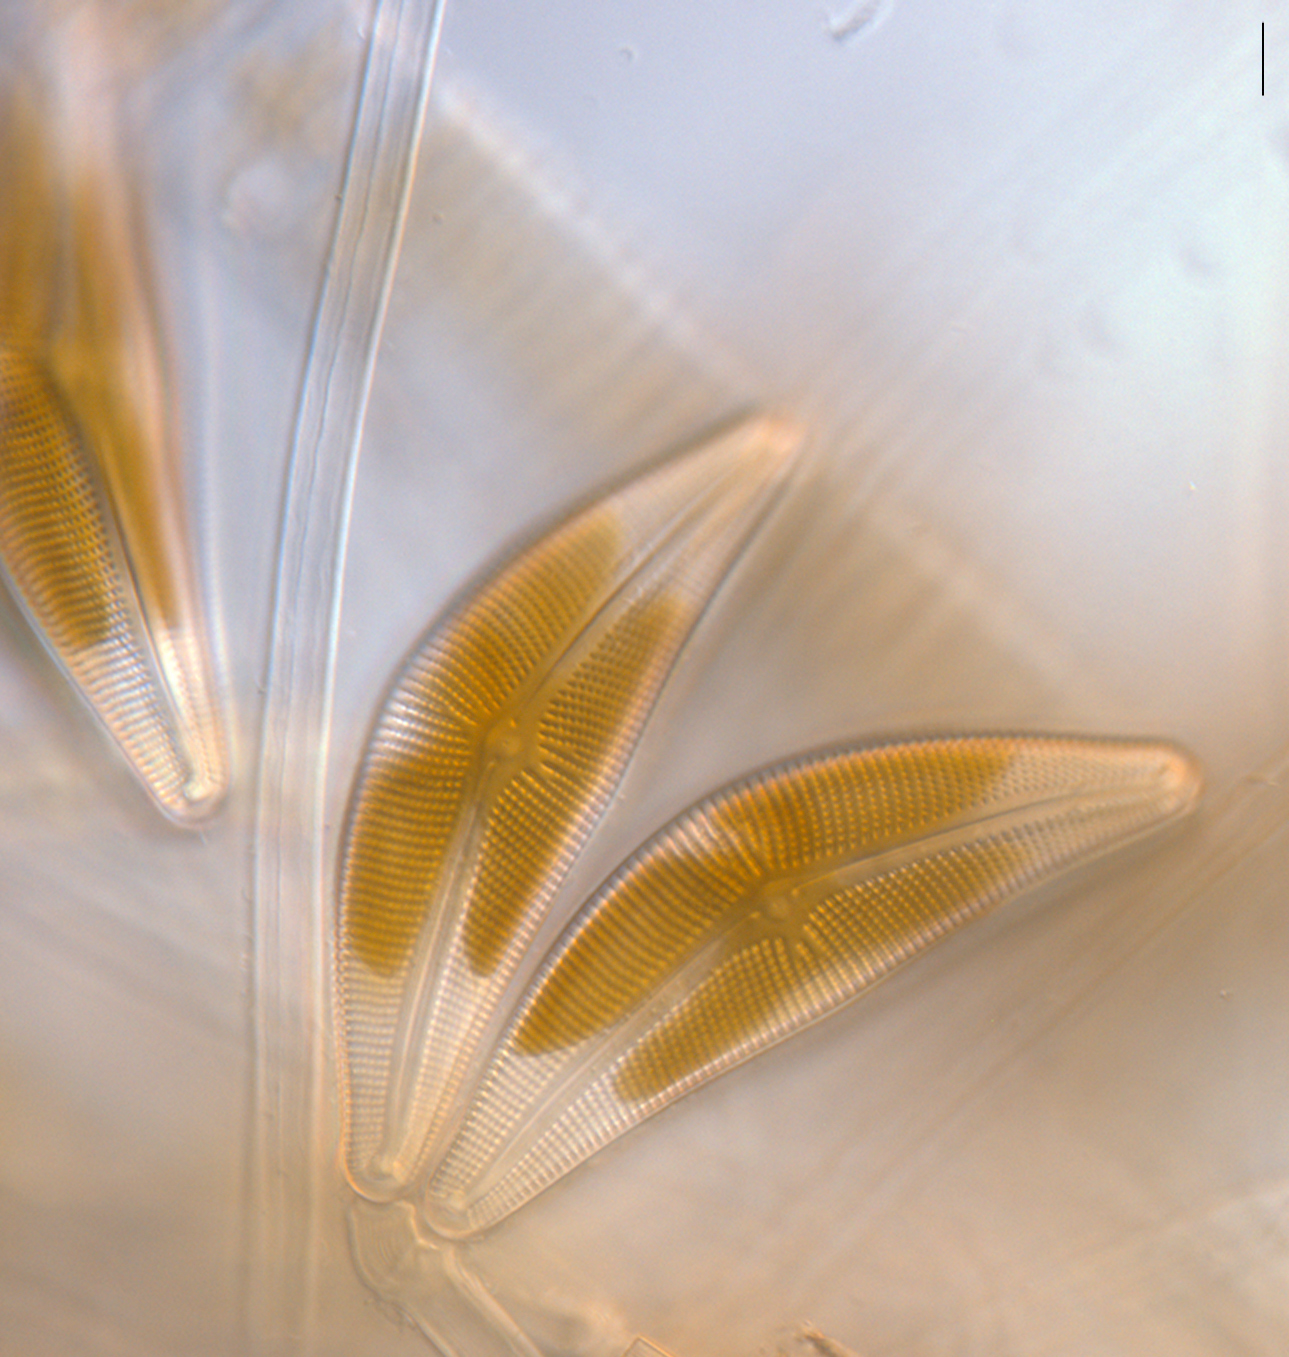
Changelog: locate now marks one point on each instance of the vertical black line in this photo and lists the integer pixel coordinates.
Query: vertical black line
(1264, 58)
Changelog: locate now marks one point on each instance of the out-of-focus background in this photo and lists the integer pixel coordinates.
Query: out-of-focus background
(1022, 271)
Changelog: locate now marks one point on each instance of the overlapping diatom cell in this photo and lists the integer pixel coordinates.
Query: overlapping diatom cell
(491, 761)
(763, 909)
(93, 535)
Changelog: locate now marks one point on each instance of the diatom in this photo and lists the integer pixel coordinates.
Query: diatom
(92, 512)
(764, 908)
(491, 761)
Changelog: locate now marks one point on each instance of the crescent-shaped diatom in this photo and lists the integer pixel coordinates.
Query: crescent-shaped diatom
(61, 552)
(93, 537)
(495, 754)
(763, 909)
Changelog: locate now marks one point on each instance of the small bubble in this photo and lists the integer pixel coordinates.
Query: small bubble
(856, 20)
(259, 201)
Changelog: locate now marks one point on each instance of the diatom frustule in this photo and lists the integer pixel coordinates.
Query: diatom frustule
(763, 909)
(93, 531)
(492, 759)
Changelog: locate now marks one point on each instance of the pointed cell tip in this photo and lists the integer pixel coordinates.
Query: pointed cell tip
(196, 802)
(1181, 776)
(773, 440)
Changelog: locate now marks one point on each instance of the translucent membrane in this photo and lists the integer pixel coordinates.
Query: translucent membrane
(764, 908)
(93, 532)
(492, 760)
